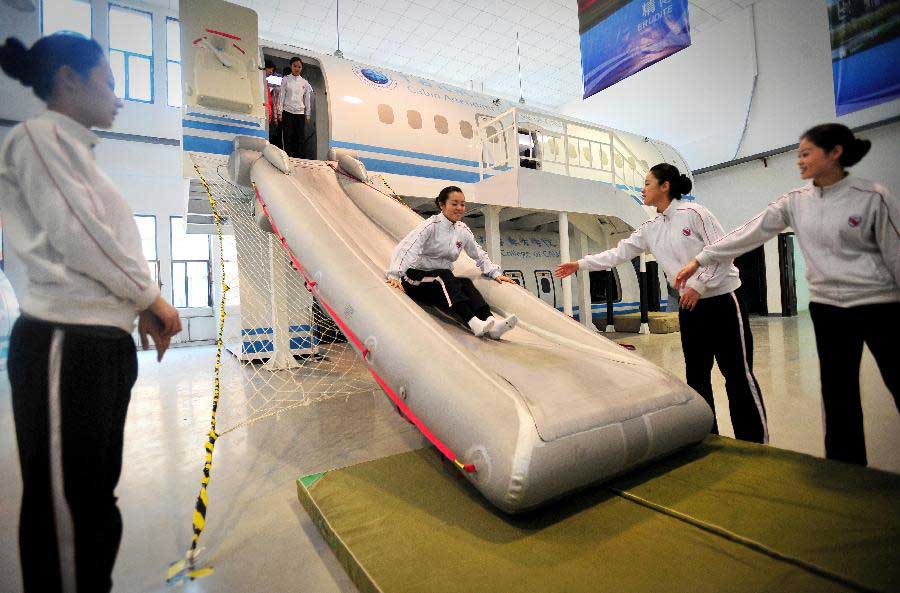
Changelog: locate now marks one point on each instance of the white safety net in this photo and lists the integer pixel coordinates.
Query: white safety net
(281, 349)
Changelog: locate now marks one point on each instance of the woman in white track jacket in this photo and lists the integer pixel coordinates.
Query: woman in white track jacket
(847, 229)
(713, 318)
(422, 266)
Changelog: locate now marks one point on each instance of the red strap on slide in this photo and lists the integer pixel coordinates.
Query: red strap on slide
(312, 286)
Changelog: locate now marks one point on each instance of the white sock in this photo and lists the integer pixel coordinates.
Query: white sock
(479, 327)
(501, 326)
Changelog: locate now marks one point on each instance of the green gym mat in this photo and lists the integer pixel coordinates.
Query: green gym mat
(723, 516)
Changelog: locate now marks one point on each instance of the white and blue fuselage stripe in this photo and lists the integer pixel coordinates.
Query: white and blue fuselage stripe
(213, 133)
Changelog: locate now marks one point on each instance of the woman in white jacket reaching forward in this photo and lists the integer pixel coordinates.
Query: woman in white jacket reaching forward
(847, 229)
(712, 316)
(423, 261)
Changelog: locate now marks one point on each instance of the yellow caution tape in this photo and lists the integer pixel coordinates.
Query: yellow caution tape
(184, 568)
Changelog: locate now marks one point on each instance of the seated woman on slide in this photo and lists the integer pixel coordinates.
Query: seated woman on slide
(423, 260)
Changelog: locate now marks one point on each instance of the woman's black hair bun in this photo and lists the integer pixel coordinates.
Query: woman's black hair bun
(14, 61)
(685, 185)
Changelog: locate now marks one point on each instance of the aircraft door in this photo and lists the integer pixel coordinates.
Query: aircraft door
(517, 276)
(786, 273)
(545, 286)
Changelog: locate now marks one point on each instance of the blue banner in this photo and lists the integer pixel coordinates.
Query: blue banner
(865, 52)
(619, 38)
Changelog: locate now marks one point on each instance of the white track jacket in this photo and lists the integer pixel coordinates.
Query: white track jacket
(674, 237)
(70, 227)
(435, 245)
(848, 235)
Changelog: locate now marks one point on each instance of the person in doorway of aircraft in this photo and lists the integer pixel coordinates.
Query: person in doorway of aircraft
(423, 261)
(847, 228)
(294, 108)
(712, 316)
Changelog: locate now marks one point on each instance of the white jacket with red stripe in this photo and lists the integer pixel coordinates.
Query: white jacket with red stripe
(435, 244)
(674, 237)
(70, 227)
(848, 233)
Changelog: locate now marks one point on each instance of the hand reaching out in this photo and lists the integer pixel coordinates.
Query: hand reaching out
(566, 269)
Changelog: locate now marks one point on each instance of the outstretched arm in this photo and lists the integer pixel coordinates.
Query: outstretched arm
(627, 249)
(749, 236)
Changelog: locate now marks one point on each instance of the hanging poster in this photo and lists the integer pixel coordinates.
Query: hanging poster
(865, 52)
(621, 37)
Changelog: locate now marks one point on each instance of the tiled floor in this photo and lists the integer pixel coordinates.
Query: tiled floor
(259, 539)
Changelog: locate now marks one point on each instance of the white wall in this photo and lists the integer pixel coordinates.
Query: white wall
(697, 99)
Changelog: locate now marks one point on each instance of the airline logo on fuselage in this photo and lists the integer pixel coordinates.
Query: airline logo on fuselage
(375, 78)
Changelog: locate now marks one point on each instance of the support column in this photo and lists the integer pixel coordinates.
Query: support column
(610, 293)
(492, 232)
(645, 290)
(282, 357)
(565, 257)
(584, 285)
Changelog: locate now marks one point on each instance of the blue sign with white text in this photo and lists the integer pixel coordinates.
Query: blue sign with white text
(619, 38)
(865, 52)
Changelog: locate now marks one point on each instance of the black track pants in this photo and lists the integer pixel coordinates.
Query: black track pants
(70, 391)
(840, 334)
(718, 328)
(446, 292)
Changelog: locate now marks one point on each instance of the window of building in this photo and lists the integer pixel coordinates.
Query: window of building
(66, 15)
(173, 62)
(131, 53)
(385, 114)
(191, 277)
(229, 257)
(146, 224)
(415, 119)
(440, 124)
(465, 128)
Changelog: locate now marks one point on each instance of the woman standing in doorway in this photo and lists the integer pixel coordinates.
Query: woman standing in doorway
(713, 318)
(847, 229)
(72, 359)
(294, 109)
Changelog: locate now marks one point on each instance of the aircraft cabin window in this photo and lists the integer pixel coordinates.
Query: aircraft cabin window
(415, 119)
(492, 134)
(385, 114)
(440, 124)
(465, 128)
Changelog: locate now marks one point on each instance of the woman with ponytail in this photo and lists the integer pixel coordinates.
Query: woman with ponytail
(847, 228)
(713, 318)
(72, 359)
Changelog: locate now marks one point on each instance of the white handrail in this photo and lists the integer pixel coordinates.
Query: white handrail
(507, 125)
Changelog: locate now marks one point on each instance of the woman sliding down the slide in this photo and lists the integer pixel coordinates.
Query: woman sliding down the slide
(422, 264)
